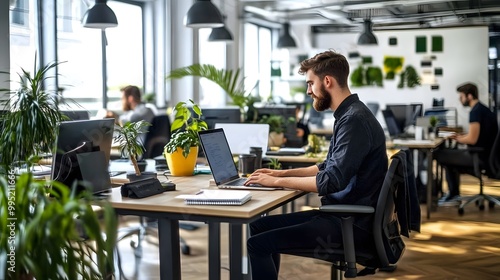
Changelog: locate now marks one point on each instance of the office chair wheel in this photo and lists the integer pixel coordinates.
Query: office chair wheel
(460, 211)
(185, 249)
(491, 204)
(481, 207)
(477, 202)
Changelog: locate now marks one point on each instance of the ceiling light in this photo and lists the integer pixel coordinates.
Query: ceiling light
(220, 34)
(203, 14)
(286, 40)
(367, 37)
(99, 16)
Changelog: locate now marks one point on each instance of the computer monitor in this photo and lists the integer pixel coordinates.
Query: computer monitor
(220, 115)
(392, 125)
(86, 144)
(75, 115)
(286, 112)
(405, 115)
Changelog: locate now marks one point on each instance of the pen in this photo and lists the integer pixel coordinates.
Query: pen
(199, 192)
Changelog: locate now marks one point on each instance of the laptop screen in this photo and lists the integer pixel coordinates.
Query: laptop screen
(391, 123)
(218, 154)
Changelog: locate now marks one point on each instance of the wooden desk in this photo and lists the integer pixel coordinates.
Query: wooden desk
(169, 210)
(427, 146)
(298, 161)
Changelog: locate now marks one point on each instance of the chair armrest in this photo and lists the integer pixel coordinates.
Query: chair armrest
(346, 209)
(475, 149)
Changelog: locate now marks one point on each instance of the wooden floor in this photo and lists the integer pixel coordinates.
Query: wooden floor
(449, 247)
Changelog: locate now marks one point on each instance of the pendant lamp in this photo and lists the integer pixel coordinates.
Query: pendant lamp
(99, 16)
(286, 40)
(220, 34)
(203, 14)
(367, 37)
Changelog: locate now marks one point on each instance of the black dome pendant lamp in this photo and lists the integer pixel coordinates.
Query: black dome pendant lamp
(286, 40)
(367, 37)
(203, 14)
(99, 16)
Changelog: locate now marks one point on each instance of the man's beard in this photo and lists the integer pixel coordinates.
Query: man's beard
(126, 107)
(466, 103)
(323, 101)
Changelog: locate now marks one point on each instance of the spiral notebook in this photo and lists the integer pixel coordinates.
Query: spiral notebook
(217, 197)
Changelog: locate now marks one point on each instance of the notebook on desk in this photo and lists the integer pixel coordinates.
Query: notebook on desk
(220, 160)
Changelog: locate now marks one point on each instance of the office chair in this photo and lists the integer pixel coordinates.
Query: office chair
(491, 169)
(388, 245)
(157, 136)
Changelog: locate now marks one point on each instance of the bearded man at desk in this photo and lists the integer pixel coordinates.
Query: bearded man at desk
(352, 173)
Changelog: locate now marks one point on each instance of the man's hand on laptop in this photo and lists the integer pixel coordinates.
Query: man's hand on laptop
(264, 177)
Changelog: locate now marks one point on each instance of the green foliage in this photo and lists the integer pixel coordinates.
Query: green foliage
(127, 137)
(409, 78)
(274, 163)
(185, 128)
(366, 76)
(30, 124)
(228, 80)
(357, 77)
(374, 76)
(433, 120)
(149, 97)
(276, 123)
(57, 233)
(392, 63)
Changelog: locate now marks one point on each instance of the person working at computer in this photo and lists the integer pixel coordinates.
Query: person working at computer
(133, 108)
(352, 173)
(483, 128)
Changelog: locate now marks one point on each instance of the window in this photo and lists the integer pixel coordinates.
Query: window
(257, 59)
(22, 39)
(80, 49)
(211, 95)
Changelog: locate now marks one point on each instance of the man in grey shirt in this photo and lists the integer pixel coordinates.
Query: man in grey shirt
(134, 110)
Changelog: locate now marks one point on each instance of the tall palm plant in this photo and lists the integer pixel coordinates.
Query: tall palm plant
(227, 79)
(29, 126)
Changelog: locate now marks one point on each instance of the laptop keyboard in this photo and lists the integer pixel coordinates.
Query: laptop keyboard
(238, 182)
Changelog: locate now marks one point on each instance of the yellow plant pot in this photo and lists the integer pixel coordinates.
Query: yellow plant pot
(179, 165)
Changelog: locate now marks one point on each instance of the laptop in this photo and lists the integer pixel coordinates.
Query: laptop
(220, 160)
(242, 136)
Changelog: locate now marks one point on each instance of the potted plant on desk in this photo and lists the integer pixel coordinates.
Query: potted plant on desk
(181, 151)
(131, 146)
(277, 126)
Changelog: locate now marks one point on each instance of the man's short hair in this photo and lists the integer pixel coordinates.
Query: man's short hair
(327, 63)
(468, 88)
(133, 91)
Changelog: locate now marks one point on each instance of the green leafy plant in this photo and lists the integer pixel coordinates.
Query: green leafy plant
(29, 126)
(433, 120)
(409, 78)
(53, 233)
(358, 76)
(149, 97)
(392, 65)
(274, 163)
(374, 76)
(131, 145)
(185, 128)
(276, 123)
(228, 80)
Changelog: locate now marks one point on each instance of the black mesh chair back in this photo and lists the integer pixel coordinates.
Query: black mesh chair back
(157, 136)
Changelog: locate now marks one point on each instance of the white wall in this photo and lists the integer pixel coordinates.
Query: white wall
(464, 58)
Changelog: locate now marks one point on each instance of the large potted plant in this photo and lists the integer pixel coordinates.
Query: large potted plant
(131, 146)
(53, 233)
(228, 80)
(32, 115)
(181, 151)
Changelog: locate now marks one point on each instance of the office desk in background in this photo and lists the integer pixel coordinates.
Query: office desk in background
(170, 210)
(427, 146)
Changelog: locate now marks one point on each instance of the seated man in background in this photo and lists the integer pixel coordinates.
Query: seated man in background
(352, 173)
(133, 108)
(483, 128)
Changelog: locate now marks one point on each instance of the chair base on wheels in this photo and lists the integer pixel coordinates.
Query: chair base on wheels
(479, 200)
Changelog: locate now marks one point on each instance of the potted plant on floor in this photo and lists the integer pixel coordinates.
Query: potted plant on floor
(30, 122)
(181, 151)
(131, 146)
(53, 233)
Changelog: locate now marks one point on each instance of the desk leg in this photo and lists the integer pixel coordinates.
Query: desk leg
(170, 252)
(235, 251)
(429, 182)
(213, 251)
